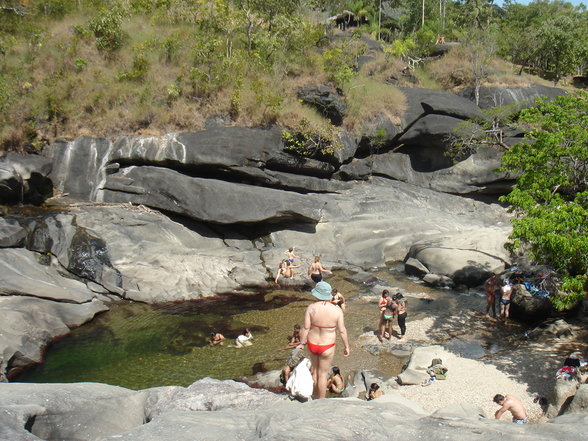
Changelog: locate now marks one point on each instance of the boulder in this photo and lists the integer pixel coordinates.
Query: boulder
(22, 274)
(208, 394)
(29, 324)
(416, 370)
(561, 396)
(438, 280)
(461, 257)
(413, 267)
(76, 412)
(11, 233)
(425, 142)
(207, 200)
(421, 102)
(580, 402)
(529, 308)
(326, 100)
(500, 96)
(24, 179)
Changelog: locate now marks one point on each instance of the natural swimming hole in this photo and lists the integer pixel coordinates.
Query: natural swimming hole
(138, 346)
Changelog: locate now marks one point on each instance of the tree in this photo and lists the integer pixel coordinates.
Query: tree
(550, 198)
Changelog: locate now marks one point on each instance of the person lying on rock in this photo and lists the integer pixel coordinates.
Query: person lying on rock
(244, 339)
(216, 338)
(513, 405)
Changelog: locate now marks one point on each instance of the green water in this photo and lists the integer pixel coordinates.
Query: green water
(140, 346)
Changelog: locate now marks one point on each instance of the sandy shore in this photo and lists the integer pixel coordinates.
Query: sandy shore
(525, 371)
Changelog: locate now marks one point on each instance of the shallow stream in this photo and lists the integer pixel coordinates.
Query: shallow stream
(137, 346)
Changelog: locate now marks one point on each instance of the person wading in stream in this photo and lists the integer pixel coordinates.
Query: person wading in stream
(321, 321)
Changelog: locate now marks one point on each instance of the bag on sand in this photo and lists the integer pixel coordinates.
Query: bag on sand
(300, 383)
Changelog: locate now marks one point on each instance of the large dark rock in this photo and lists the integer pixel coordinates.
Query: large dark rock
(499, 96)
(420, 102)
(426, 142)
(527, 307)
(326, 100)
(24, 179)
(207, 200)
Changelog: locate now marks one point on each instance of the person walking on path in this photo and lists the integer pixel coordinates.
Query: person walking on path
(321, 321)
(490, 287)
(512, 405)
(316, 270)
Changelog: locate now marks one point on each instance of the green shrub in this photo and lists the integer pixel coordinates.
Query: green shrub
(107, 29)
(311, 142)
(138, 71)
(337, 67)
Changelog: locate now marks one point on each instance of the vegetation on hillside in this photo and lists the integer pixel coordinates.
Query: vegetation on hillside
(106, 67)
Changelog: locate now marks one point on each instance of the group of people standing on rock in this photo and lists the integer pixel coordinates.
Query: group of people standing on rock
(286, 267)
(390, 307)
(494, 289)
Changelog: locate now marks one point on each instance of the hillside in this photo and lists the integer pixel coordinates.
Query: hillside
(150, 68)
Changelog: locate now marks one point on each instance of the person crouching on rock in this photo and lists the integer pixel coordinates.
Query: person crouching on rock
(374, 392)
(216, 338)
(336, 383)
(512, 405)
(321, 320)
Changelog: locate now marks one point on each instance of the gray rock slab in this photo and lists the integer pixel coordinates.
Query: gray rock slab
(420, 102)
(22, 274)
(466, 259)
(209, 394)
(24, 178)
(380, 220)
(11, 233)
(208, 200)
(163, 260)
(498, 96)
(80, 411)
(28, 324)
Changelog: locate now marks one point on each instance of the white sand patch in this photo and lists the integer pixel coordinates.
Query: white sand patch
(470, 381)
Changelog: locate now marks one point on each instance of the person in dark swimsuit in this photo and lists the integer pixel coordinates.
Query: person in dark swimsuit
(316, 270)
(505, 300)
(321, 321)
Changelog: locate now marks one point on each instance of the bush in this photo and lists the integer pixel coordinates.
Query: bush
(107, 29)
(311, 142)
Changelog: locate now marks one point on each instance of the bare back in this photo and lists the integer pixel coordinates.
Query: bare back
(322, 320)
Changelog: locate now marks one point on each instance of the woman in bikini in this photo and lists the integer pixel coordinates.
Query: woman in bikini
(315, 270)
(387, 314)
(321, 321)
(336, 383)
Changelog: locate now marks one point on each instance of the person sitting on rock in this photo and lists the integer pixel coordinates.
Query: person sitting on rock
(512, 405)
(295, 338)
(296, 356)
(338, 299)
(336, 383)
(374, 392)
(216, 338)
(244, 339)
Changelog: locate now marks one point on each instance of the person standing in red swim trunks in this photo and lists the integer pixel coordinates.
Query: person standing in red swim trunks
(321, 321)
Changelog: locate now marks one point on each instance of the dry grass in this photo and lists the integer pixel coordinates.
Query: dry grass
(369, 99)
